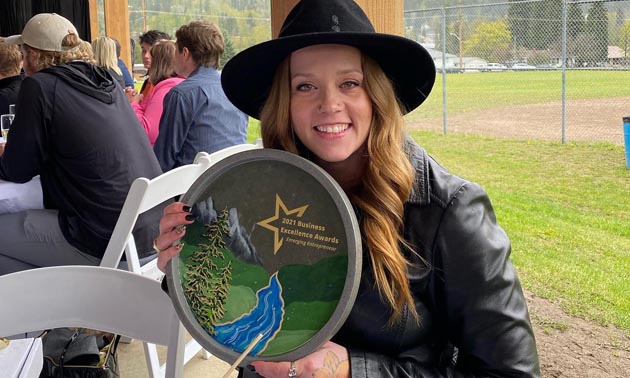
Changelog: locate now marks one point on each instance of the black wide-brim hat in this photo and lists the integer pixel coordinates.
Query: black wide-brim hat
(247, 77)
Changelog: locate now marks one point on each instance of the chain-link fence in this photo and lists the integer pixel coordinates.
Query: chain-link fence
(533, 69)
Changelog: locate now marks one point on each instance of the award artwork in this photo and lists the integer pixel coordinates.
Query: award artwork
(275, 251)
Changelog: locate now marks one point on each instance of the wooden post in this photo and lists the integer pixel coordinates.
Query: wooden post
(117, 26)
(93, 19)
(386, 15)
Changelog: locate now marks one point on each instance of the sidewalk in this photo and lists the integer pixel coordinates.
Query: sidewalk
(133, 363)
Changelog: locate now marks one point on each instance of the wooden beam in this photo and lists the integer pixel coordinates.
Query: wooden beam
(386, 15)
(117, 26)
(93, 18)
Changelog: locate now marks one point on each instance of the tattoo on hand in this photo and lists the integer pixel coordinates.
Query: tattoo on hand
(333, 367)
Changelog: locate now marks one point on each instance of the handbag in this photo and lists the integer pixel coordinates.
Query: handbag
(79, 353)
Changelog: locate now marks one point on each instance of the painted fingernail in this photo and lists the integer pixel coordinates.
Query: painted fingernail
(187, 208)
(179, 229)
(190, 217)
(179, 246)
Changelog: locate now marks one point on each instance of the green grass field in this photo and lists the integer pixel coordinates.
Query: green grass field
(486, 90)
(566, 208)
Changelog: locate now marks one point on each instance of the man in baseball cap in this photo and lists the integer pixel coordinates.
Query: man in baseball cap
(45, 31)
(74, 128)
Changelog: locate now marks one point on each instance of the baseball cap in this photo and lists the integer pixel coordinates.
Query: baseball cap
(44, 31)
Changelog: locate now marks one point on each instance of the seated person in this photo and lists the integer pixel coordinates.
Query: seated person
(85, 52)
(146, 42)
(87, 149)
(10, 78)
(105, 56)
(123, 67)
(197, 115)
(163, 77)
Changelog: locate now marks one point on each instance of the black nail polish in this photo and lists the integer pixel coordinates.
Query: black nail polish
(190, 217)
(186, 208)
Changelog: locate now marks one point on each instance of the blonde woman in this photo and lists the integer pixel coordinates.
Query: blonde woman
(439, 296)
(163, 77)
(105, 56)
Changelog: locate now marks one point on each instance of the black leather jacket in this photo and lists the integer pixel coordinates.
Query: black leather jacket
(473, 316)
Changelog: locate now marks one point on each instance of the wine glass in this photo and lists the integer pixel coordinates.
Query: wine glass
(5, 125)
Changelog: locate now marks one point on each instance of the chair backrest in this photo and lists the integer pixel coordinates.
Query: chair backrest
(228, 151)
(89, 297)
(143, 195)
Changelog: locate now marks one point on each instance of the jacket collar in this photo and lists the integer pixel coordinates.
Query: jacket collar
(419, 160)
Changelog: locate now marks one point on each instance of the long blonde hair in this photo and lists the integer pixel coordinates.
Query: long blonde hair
(105, 53)
(385, 186)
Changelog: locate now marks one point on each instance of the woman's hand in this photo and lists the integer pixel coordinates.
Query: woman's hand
(329, 361)
(172, 228)
(133, 95)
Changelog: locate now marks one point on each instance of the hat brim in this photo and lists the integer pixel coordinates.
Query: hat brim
(247, 77)
(14, 40)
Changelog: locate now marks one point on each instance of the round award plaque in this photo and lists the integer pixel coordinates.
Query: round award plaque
(274, 256)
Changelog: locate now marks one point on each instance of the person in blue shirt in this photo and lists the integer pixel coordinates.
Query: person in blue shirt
(123, 67)
(197, 115)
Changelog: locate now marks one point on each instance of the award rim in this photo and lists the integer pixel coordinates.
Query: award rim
(351, 285)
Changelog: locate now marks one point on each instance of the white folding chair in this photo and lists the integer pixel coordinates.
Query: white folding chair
(228, 151)
(144, 195)
(91, 297)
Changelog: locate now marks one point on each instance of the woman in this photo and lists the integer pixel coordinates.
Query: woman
(105, 56)
(438, 296)
(163, 77)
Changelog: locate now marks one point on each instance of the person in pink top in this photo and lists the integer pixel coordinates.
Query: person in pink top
(163, 77)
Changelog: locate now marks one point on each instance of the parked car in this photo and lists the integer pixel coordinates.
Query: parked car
(495, 67)
(523, 66)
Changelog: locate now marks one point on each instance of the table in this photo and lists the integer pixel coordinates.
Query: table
(19, 197)
(22, 358)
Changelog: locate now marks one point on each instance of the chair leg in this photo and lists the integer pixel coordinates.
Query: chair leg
(153, 362)
(175, 353)
(192, 348)
(206, 355)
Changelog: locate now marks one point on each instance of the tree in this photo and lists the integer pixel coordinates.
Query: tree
(622, 37)
(597, 29)
(228, 51)
(621, 18)
(491, 41)
(519, 16)
(575, 20)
